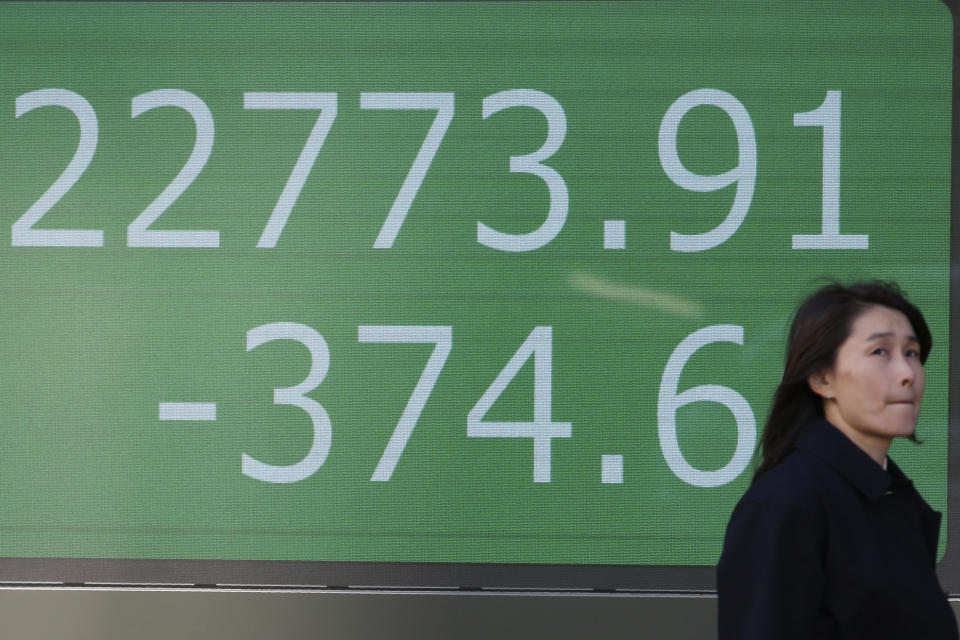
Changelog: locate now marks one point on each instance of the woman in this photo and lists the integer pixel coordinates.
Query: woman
(832, 540)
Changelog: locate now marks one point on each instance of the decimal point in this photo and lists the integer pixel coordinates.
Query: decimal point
(611, 469)
(614, 234)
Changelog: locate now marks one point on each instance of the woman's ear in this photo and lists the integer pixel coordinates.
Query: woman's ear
(820, 384)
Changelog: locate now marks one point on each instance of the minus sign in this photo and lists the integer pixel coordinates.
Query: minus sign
(188, 410)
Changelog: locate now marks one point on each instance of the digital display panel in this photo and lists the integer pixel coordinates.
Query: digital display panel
(399, 285)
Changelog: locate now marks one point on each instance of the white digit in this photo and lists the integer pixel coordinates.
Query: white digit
(532, 163)
(744, 174)
(139, 233)
(827, 115)
(440, 336)
(538, 344)
(443, 103)
(23, 234)
(669, 401)
(326, 103)
(296, 396)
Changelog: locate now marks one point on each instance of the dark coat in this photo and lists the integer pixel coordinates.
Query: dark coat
(828, 544)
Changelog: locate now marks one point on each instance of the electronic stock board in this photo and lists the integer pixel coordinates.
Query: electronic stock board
(438, 294)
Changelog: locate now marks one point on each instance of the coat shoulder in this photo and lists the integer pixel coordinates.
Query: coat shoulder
(800, 479)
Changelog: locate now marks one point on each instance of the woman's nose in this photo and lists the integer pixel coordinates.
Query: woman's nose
(906, 372)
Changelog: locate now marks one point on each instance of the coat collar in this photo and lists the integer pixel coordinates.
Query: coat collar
(828, 443)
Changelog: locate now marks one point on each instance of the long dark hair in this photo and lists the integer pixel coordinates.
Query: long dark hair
(822, 323)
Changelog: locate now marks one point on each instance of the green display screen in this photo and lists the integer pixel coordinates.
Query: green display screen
(480, 283)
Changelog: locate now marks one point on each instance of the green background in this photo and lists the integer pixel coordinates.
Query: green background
(93, 338)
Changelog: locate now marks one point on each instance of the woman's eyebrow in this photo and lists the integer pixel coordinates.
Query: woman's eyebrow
(890, 334)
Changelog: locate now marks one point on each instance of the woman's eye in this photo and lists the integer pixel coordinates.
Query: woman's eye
(880, 351)
(913, 353)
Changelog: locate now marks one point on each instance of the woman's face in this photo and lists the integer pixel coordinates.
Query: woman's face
(873, 391)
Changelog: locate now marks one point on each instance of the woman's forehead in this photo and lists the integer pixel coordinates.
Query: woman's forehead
(882, 322)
